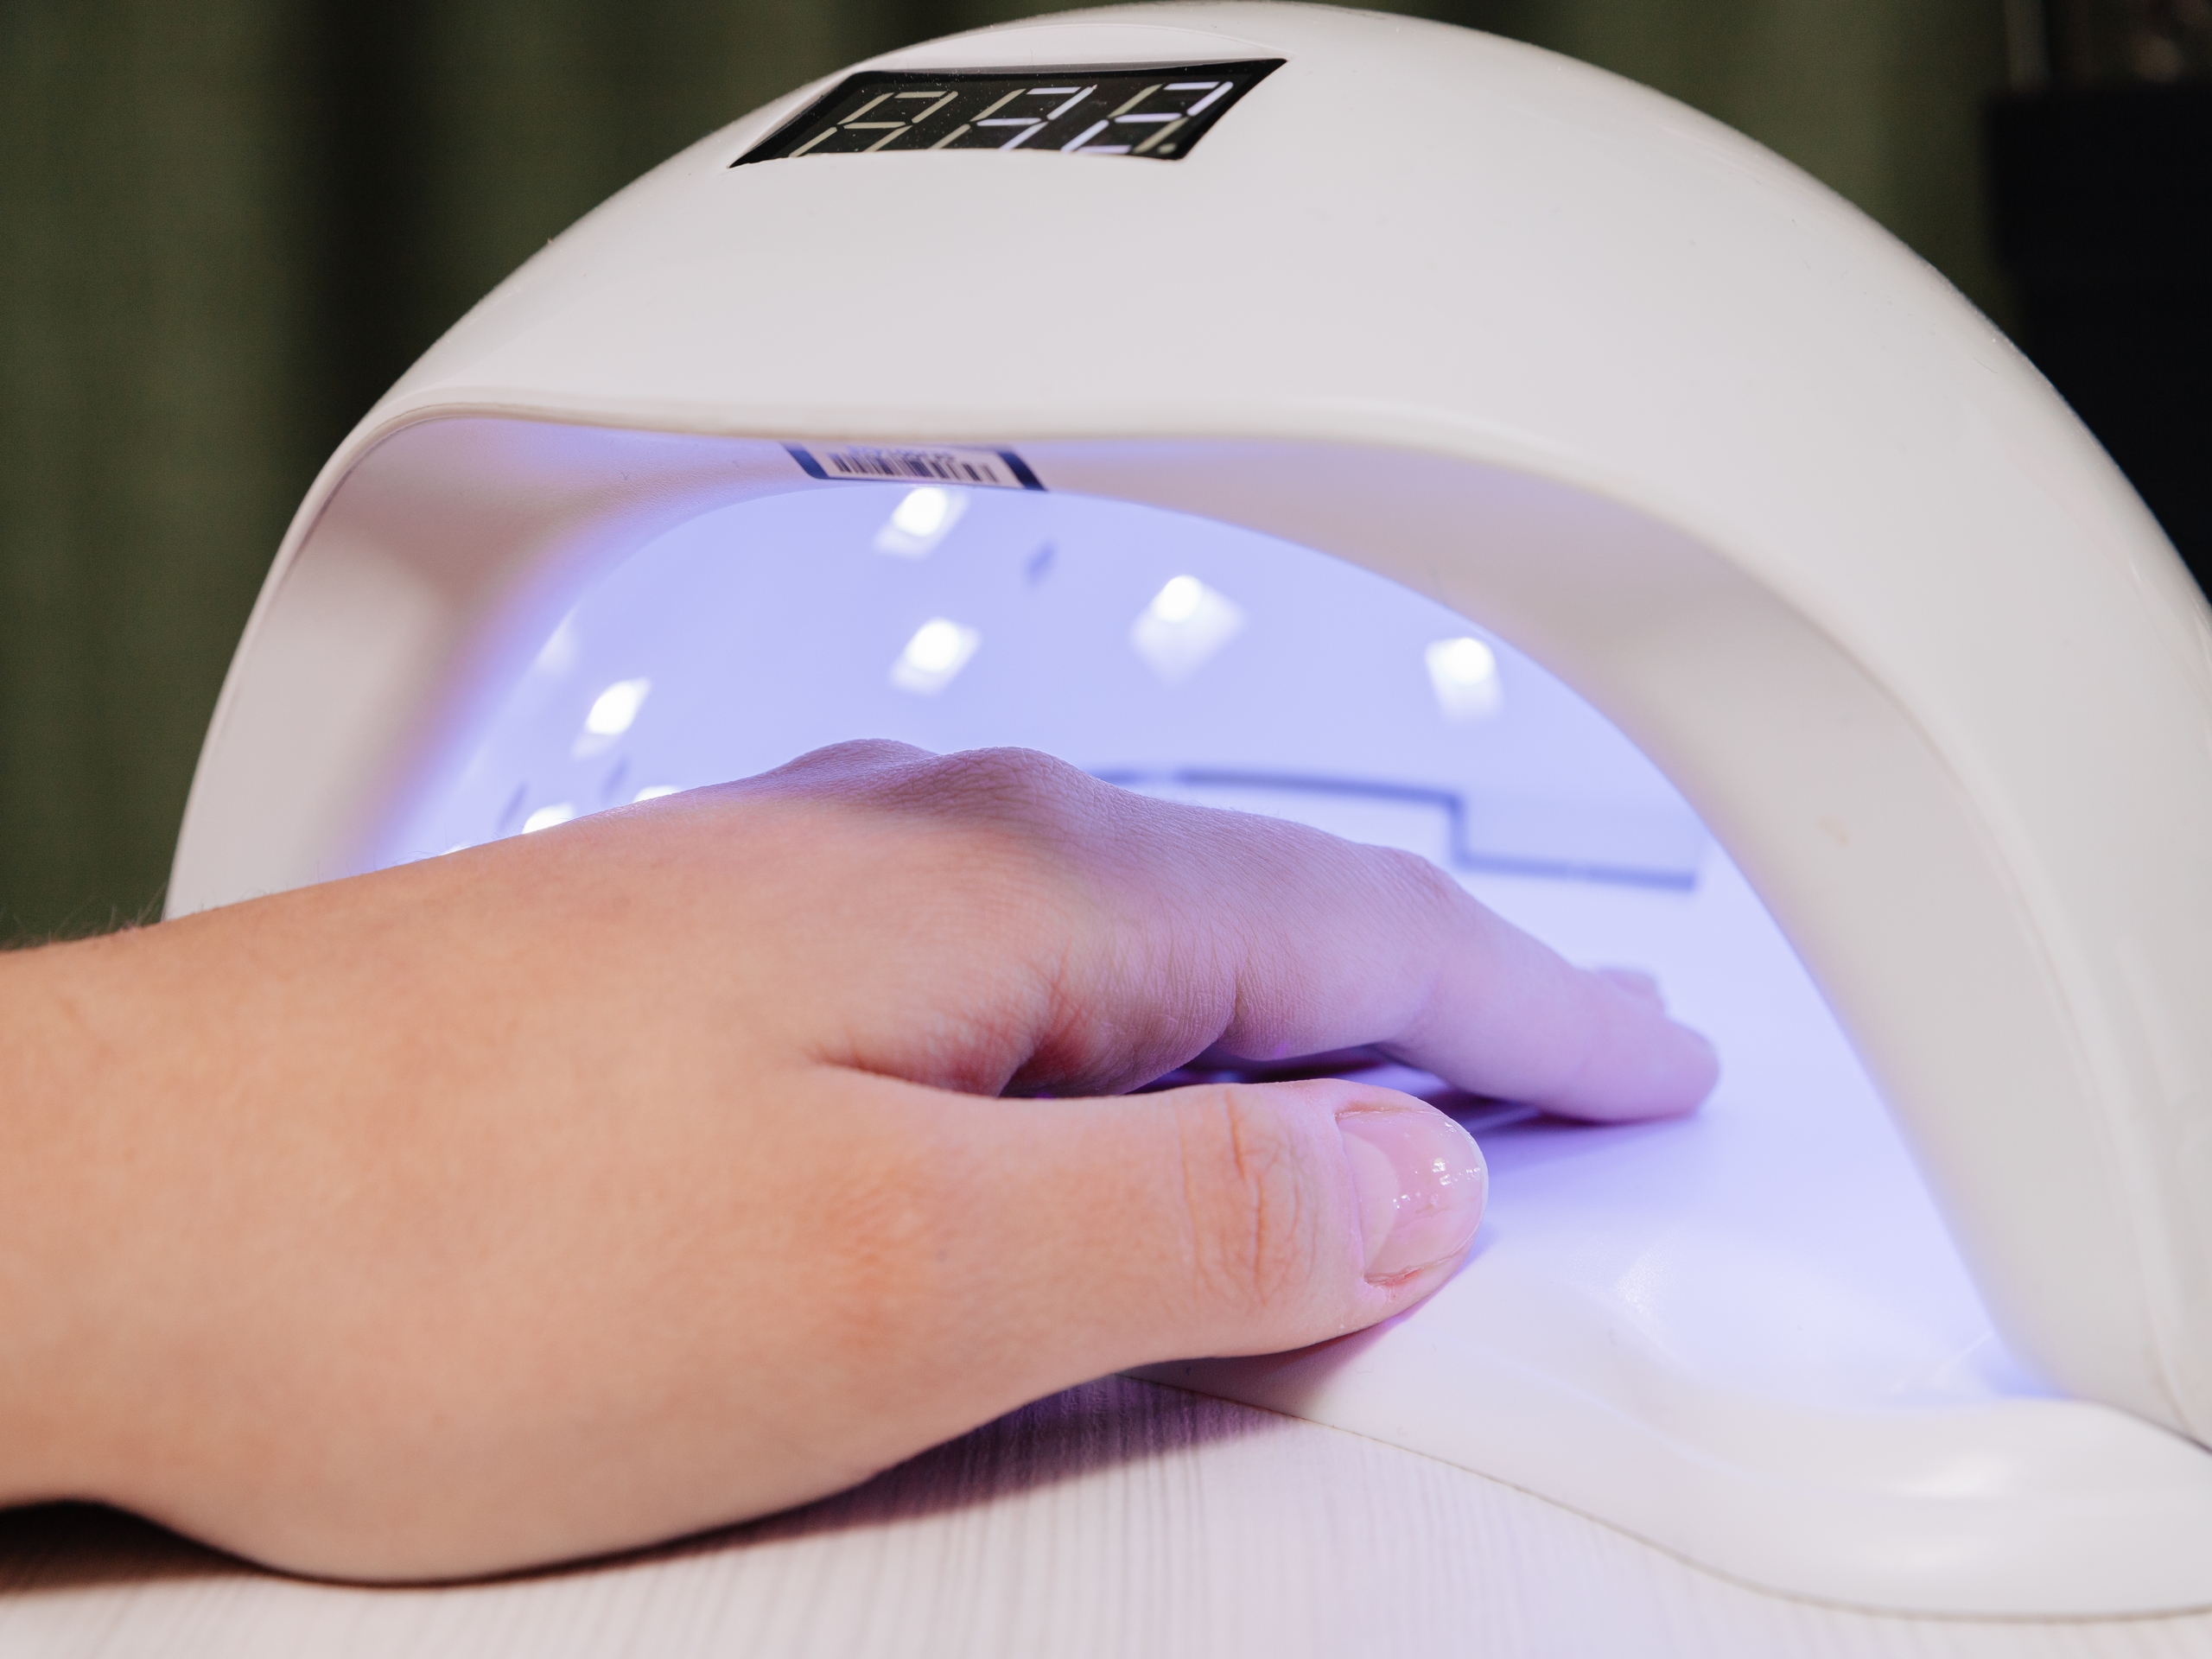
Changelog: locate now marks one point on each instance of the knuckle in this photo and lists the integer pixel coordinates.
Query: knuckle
(1021, 785)
(1034, 820)
(1008, 818)
(856, 757)
(1418, 876)
(1421, 887)
(1257, 1221)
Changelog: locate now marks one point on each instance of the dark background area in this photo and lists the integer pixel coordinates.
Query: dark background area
(224, 228)
(2101, 191)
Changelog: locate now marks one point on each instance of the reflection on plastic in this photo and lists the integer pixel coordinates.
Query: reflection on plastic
(1627, 848)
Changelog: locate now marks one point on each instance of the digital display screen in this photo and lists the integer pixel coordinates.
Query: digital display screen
(1160, 112)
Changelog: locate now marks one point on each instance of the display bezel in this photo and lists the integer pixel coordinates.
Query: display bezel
(789, 142)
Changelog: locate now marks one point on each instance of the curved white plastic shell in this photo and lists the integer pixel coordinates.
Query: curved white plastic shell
(1595, 371)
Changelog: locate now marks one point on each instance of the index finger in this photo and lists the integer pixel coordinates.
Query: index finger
(1194, 929)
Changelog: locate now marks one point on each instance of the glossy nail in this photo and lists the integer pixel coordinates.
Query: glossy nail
(1422, 1183)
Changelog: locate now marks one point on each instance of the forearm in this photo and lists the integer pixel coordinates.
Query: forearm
(167, 1095)
(82, 1047)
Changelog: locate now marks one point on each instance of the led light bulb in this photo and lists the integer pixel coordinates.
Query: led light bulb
(1179, 600)
(1463, 672)
(938, 651)
(612, 713)
(1185, 624)
(935, 646)
(615, 708)
(922, 517)
(923, 512)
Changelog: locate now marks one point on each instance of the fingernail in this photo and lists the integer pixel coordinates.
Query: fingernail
(1422, 1183)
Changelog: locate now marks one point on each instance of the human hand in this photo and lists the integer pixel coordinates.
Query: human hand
(674, 1166)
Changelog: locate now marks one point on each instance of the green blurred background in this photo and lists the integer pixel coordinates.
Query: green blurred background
(226, 227)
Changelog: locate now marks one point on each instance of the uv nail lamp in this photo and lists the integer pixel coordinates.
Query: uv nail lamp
(1383, 425)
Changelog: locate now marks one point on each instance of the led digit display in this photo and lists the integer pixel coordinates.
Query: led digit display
(1160, 113)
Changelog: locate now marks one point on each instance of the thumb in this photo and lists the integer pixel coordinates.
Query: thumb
(1232, 1219)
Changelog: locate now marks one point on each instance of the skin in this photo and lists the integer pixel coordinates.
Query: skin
(684, 1163)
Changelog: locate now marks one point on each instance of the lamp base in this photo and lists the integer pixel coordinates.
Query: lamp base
(1746, 1337)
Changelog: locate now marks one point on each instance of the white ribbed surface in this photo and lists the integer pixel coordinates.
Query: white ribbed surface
(1118, 1518)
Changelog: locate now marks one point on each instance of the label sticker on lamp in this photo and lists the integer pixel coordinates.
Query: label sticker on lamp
(999, 469)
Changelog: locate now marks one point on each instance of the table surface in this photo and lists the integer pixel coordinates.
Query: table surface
(1116, 1518)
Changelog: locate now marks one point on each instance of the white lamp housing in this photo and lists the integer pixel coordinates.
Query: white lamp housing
(1560, 359)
